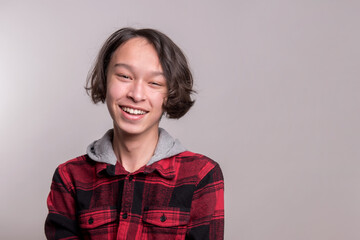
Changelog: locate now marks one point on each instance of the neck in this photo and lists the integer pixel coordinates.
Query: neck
(134, 151)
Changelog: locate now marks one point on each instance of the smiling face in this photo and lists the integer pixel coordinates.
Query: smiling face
(136, 88)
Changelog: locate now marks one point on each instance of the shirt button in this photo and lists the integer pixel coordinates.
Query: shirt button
(124, 216)
(91, 220)
(131, 178)
(163, 218)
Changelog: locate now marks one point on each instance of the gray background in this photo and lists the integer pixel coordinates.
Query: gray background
(277, 105)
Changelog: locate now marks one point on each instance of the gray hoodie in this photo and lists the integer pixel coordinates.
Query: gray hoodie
(102, 150)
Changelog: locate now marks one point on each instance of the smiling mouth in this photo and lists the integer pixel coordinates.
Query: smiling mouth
(133, 111)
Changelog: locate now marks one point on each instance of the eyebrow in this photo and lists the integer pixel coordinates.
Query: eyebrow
(130, 68)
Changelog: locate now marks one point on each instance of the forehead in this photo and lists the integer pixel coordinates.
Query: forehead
(135, 42)
(138, 47)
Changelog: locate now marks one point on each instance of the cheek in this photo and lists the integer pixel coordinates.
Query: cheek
(108, 101)
(109, 97)
(110, 105)
(114, 91)
(164, 98)
(161, 101)
(112, 94)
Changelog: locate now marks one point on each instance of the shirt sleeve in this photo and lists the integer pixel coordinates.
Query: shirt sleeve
(61, 220)
(207, 208)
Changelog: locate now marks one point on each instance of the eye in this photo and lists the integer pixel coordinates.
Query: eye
(155, 84)
(123, 76)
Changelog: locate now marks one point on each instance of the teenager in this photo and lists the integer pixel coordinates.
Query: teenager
(137, 182)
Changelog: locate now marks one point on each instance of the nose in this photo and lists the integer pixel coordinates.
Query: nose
(137, 91)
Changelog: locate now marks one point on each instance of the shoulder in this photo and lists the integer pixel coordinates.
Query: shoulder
(77, 169)
(197, 159)
(76, 164)
(197, 164)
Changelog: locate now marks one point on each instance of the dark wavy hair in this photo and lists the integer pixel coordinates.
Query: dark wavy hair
(173, 62)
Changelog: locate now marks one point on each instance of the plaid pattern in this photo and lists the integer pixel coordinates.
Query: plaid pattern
(181, 197)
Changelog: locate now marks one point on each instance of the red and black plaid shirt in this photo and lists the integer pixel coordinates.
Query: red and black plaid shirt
(181, 197)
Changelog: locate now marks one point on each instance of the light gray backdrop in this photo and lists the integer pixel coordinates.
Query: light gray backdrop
(277, 105)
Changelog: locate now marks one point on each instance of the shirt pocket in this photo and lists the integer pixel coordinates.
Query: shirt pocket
(98, 222)
(165, 223)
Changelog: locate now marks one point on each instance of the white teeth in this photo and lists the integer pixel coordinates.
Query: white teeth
(133, 111)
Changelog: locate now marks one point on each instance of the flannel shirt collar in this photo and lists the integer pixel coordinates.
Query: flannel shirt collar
(162, 161)
(164, 167)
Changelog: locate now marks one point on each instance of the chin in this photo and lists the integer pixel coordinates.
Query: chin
(131, 130)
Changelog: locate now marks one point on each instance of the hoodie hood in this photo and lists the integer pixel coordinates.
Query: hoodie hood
(102, 150)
